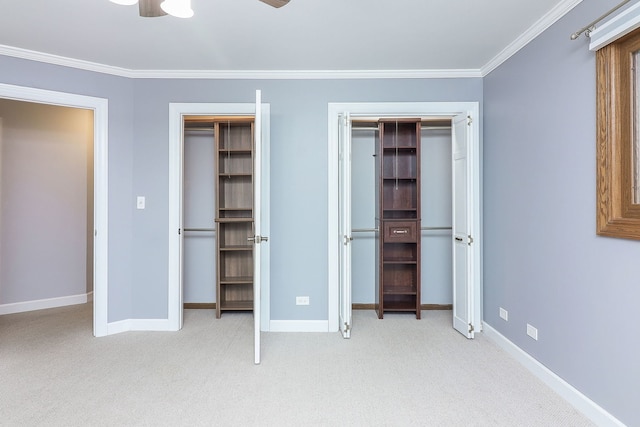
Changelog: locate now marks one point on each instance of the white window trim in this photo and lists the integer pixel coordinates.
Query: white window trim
(616, 27)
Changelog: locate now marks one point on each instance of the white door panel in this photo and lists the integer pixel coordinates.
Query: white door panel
(344, 227)
(461, 233)
(257, 227)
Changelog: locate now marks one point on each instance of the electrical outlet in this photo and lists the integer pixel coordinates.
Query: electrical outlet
(140, 202)
(504, 314)
(302, 300)
(532, 332)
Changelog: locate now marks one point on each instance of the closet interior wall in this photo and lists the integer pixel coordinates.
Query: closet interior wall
(199, 237)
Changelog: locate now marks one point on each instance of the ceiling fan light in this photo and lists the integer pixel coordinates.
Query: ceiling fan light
(125, 2)
(177, 8)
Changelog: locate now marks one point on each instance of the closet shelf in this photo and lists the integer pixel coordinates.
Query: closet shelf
(242, 280)
(235, 150)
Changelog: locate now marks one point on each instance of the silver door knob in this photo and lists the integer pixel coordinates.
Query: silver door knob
(257, 239)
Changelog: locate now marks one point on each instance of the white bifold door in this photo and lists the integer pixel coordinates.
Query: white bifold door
(344, 224)
(462, 233)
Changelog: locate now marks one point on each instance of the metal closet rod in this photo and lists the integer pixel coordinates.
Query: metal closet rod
(199, 229)
(421, 127)
(589, 27)
(371, 230)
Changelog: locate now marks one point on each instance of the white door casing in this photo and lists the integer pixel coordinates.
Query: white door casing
(100, 107)
(177, 111)
(345, 225)
(410, 109)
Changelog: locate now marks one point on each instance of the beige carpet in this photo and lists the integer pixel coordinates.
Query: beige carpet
(393, 372)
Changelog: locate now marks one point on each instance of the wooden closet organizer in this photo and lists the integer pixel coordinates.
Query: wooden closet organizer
(234, 160)
(398, 217)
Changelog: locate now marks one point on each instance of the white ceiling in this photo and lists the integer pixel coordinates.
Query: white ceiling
(305, 35)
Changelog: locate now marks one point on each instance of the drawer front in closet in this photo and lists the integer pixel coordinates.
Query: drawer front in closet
(400, 231)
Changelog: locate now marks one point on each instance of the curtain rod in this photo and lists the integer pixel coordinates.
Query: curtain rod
(589, 27)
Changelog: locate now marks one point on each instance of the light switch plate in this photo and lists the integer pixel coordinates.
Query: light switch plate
(140, 202)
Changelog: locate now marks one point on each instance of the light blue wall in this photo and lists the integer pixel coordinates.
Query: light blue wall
(542, 259)
(138, 165)
(299, 137)
(119, 92)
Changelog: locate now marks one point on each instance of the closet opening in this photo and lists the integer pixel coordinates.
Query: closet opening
(219, 179)
(448, 229)
(217, 206)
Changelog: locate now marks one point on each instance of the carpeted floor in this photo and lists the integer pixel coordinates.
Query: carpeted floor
(393, 372)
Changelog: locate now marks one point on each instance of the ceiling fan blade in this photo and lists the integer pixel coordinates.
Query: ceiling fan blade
(275, 3)
(150, 8)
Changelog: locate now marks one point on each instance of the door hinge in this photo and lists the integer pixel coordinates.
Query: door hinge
(470, 328)
(347, 327)
(469, 120)
(470, 240)
(179, 231)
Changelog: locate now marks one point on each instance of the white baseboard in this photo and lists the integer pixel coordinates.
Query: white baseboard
(581, 402)
(127, 325)
(298, 326)
(42, 304)
(163, 325)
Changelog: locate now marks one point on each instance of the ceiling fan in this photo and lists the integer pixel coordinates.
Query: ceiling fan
(179, 8)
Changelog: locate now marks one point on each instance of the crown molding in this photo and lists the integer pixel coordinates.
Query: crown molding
(534, 31)
(305, 74)
(236, 74)
(61, 60)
